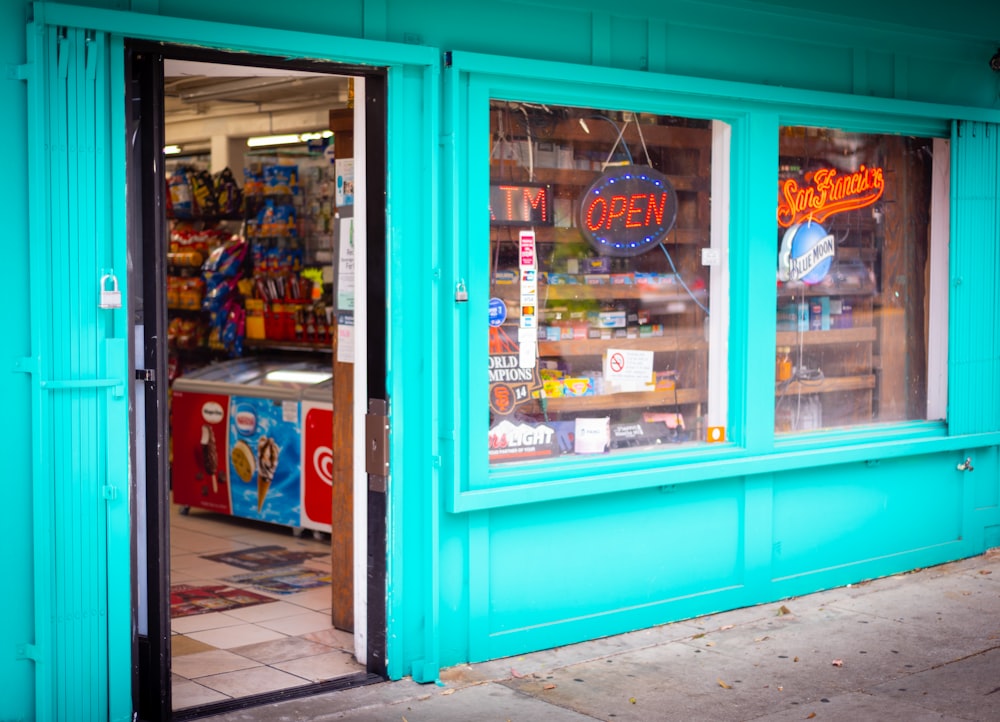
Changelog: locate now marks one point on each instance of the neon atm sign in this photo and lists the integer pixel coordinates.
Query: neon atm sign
(520, 204)
(826, 192)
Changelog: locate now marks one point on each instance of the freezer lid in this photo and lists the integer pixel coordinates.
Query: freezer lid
(221, 378)
(297, 377)
(322, 391)
(257, 377)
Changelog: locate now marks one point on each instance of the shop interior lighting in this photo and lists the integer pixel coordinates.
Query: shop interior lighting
(260, 141)
(171, 149)
(297, 377)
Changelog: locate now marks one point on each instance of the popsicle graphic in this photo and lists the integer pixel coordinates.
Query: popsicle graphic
(210, 456)
(267, 462)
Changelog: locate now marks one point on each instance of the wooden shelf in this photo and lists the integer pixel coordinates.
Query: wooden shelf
(860, 334)
(555, 234)
(582, 178)
(814, 291)
(602, 133)
(274, 345)
(597, 347)
(827, 385)
(634, 400)
(583, 292)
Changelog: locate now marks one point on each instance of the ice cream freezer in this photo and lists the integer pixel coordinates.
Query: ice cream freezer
(253, 438)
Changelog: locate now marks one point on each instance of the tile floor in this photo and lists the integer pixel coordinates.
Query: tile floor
(263, 648)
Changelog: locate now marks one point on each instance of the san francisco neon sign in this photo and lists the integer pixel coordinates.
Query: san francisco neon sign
(827, 192)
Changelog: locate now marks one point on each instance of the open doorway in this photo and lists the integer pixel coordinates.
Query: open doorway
(252, 234)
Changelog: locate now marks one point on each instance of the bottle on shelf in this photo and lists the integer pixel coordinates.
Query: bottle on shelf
(784, 365)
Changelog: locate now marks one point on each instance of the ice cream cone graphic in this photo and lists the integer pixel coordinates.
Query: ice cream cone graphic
(210, 456)
(267, 462)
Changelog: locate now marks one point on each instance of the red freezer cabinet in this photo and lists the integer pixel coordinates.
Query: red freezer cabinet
(237, 438)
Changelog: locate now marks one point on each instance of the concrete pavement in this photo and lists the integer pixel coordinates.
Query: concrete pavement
(918, 646)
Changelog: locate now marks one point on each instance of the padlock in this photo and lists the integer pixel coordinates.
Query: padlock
(110, 298)
(461, 295)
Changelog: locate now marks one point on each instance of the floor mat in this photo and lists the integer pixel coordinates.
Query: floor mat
(260, 558)
(186, 600)
(284, 581)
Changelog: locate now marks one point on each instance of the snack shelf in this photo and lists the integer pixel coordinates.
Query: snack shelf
(629, 400)
(557, 234)
(860, 334)
(614, 292)
(827, 385)
(597, 347)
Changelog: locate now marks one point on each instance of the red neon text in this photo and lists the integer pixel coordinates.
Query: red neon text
(829, 194)
(636, 210)
(519, 201)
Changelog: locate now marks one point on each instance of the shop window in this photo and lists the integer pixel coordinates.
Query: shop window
(853, 305)
(606, 269)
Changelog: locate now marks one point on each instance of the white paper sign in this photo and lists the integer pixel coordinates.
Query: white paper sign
(592, 436)
(345, 266)
(527, 341)
(344, 169)
(345, 341)
(628, 370)
(527, 246)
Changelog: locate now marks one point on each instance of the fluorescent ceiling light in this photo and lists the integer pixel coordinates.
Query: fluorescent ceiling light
(298, 377)
(171, 149)
(287, 139)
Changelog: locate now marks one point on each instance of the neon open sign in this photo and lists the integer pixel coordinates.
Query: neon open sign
(826, 192)
(520, 204)
(628, 210)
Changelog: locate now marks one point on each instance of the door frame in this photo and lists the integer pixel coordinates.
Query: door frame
(148, 240)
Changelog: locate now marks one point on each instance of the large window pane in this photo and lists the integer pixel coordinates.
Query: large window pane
(852, 304)
(599, 316)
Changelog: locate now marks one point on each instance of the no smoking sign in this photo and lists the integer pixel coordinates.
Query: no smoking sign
(628, 370)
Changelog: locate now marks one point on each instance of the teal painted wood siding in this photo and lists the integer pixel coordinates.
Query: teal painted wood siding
(481, 563)
(975, 261)
(78, 368)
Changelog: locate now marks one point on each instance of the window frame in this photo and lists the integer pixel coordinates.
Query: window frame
(754, 115)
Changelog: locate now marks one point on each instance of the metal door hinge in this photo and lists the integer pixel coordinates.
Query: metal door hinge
(27, 651)
(27, 364)
(18, 72)
(377, 438)
(109, 492)
(147, 375)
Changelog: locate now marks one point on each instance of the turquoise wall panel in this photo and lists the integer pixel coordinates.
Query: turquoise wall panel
(832, 517)
(16, 669)
(987, 483)
(732, 54)
(413, 132)
(974, 366)
(317, 16)
(904, 55)
(555, 563)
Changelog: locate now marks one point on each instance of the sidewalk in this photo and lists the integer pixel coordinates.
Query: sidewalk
(918, 646)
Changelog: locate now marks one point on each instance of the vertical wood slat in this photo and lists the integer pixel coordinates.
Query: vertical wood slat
(342, 515)
(974, 367)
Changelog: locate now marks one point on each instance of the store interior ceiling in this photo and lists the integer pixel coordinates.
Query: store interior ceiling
(205, 102)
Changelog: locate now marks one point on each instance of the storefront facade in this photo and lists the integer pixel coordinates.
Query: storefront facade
(739, 267)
